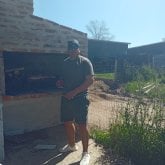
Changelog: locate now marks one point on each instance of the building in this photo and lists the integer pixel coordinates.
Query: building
(106, 55)
(31, 52)
(152, 54)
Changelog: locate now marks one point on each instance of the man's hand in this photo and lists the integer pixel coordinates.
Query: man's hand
(84, 86)
(70, 95)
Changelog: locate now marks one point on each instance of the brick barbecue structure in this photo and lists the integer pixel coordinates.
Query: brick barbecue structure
(31, 52)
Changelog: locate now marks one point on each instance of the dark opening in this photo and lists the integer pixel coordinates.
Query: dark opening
(32, 72)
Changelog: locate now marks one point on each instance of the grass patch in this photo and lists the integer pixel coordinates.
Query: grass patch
(108, 76)
(158, 92)
(132, 87)
(138, 88)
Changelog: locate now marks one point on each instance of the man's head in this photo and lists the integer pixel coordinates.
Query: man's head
(73, 48)
(73, 45)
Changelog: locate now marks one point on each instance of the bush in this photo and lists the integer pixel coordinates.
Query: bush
(158, 92)
(139, 133)
(143, 146)
(101, 137)
(147, 73)
(162, 81)
(133, 87)
(132, 73)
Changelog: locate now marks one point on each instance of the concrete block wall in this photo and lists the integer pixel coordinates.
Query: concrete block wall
(30, 112)
(16, 7)
(22, 31)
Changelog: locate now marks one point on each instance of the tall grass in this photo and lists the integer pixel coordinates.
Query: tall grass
(143, 78)
(138, 134)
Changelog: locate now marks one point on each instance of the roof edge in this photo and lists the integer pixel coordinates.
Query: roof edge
(108, 41)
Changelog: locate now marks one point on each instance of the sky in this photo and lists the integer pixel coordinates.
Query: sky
(139, 22)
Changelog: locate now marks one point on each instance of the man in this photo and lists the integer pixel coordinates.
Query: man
(78, 75)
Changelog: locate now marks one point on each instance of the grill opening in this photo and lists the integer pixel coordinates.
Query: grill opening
(32, 72)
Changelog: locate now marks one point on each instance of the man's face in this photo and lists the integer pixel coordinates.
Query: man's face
(73, 48)
(74, 52)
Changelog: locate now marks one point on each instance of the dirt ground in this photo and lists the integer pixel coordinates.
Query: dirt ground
(20, 149)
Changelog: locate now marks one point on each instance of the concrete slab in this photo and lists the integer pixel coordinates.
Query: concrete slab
(20, 149)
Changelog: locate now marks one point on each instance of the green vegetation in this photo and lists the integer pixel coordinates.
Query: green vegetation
(139, 131)
(108, 76)
(133, 87)
(157, 92)
(132, 73)
(150, 89)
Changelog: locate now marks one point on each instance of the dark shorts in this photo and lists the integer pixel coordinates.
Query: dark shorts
(75, 109)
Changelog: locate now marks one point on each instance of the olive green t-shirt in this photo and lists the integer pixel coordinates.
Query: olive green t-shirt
(75, 71)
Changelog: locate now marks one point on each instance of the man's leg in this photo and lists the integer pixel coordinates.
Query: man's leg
(85, 139)
(84, 136)
(70, 132)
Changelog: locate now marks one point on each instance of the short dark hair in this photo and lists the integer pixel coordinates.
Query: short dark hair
(73, 44)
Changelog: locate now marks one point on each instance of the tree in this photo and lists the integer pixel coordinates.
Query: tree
(99, 30)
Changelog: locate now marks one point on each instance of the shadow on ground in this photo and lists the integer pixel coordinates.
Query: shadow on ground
(20, 149)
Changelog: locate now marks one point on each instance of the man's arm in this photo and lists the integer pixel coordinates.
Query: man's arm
(84, 86)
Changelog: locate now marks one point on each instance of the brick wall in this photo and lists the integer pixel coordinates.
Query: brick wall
(22, 31)
(16, 7)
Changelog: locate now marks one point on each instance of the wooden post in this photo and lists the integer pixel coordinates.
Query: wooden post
(115, 69)
(153, 61)
(1, 108)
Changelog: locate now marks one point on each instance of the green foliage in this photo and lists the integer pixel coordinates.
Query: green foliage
(101, 137)
(148, 83)
(147, 73)
(143, 146)
(128, 74)
(131, 73)
(157, 92)
(162, 80)
(139, 133)
(140, 89)
(133, 87)
(108, 76)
